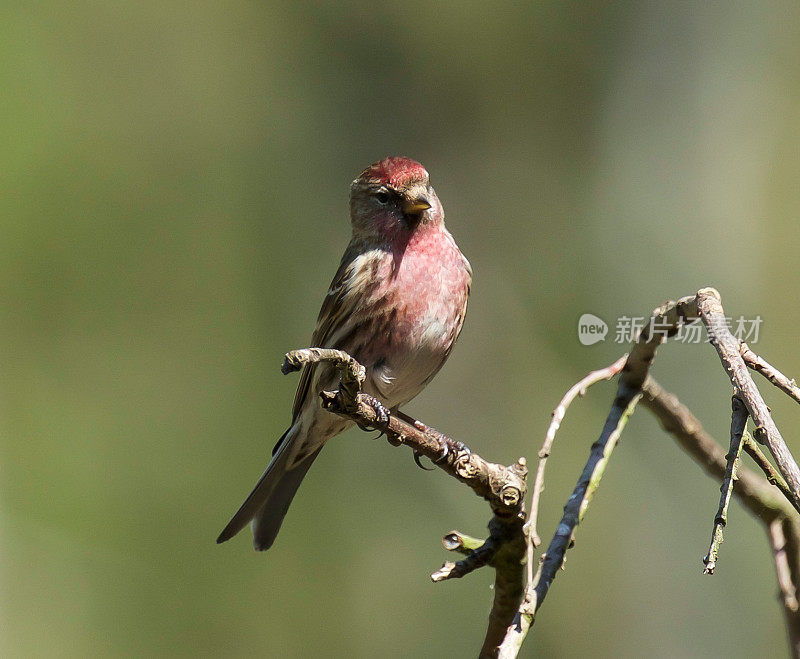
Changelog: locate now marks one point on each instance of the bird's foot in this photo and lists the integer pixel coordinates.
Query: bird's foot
(381, 412)
(458, 447)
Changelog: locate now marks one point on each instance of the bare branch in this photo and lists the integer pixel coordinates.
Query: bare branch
(783, 535)
(472, 562)
(751, 448)
(574, 511)
(481, 555)
(759, 497)
(755, 494)
(710, 308)
(503, 487)
(738, 423)
(351, 373)
(664, 322)
(508, 584)
(756, 363)
(578, 389)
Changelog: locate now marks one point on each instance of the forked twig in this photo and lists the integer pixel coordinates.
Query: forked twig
(710, 308)
(634, 380)
(578, 389)
(757, 496)
(665, 321)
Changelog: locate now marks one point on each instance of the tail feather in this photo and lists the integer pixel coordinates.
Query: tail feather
(267, 522)
(267, 504)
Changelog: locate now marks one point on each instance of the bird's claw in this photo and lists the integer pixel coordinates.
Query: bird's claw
(367, 428)
(417, 456)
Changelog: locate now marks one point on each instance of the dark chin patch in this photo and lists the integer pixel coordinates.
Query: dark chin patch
(411, 221)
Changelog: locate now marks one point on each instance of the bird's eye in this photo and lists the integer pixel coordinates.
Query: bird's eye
(382, 197)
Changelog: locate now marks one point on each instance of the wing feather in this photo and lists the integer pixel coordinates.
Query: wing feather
(337, 309)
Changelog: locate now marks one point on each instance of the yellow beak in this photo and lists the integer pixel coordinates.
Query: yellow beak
(415, 205)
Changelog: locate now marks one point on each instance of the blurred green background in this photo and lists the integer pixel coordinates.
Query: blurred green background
(173, 198)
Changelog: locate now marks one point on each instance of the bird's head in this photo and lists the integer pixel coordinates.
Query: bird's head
(393, 198)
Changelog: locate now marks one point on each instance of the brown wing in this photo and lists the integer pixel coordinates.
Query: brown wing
(335, 308)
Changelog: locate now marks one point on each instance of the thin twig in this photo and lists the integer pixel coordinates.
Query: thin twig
(738, 423)
(578, 502)
(760, 498)
(754, 493)
(787, 589)
(760, 365)
(710, 308)
(474, 560)
(574, 511)
(751, 448)
(664, 322)
(578, 389)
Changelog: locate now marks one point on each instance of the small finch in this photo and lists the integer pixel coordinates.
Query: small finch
(396, 305)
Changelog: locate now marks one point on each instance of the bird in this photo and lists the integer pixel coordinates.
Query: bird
(396, 305)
